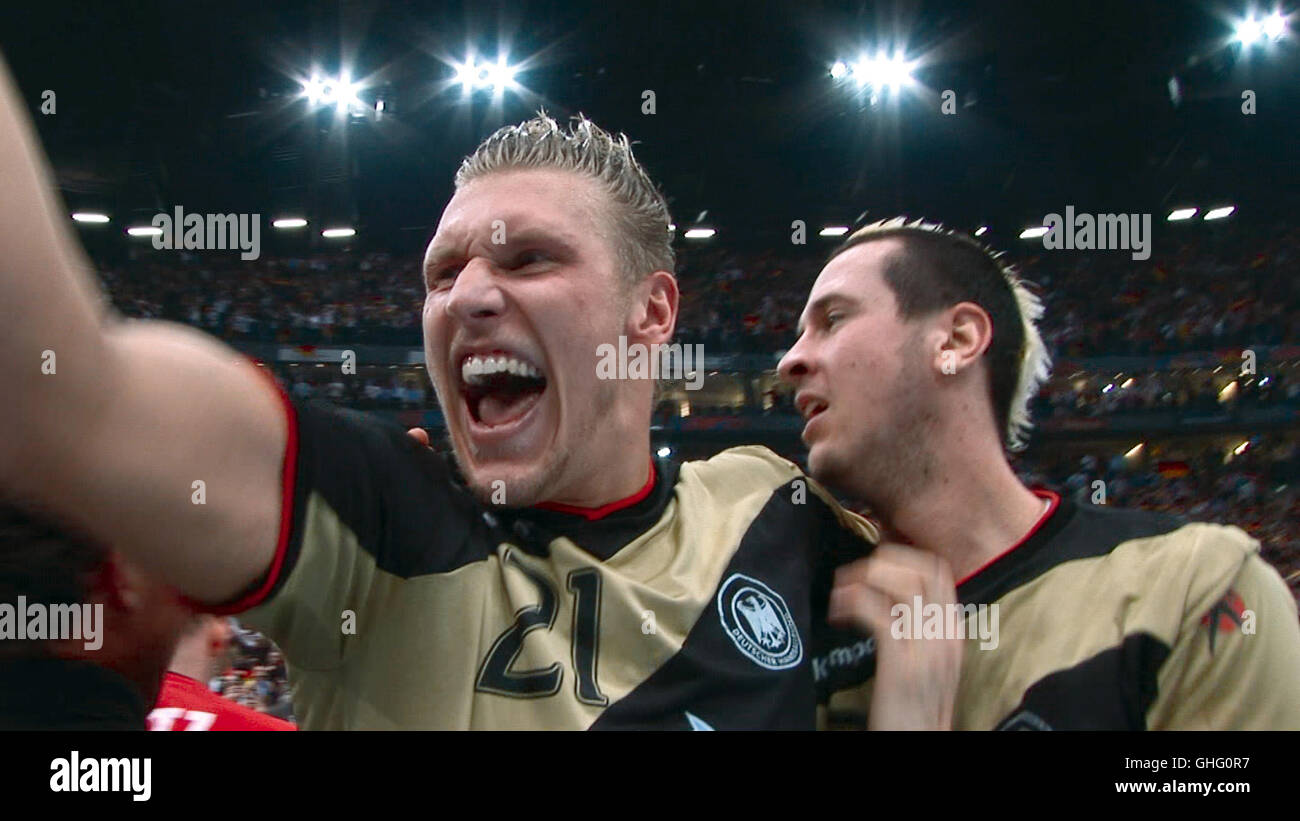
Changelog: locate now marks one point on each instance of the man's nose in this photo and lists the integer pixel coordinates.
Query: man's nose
(475, 294)
(794, 365)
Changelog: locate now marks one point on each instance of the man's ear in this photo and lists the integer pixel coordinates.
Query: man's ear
(118, 584)
(654, 317)
(967, 332)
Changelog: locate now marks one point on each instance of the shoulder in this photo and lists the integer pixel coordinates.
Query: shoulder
(753, 472)
(1178, 566)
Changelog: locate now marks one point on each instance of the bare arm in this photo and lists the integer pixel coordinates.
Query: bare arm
(154, 406)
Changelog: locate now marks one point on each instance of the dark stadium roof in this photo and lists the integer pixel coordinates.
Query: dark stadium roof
(196, 104)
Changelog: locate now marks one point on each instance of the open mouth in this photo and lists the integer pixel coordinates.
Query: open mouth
(500, 388)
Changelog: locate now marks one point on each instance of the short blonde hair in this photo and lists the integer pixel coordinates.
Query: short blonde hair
(639, 218)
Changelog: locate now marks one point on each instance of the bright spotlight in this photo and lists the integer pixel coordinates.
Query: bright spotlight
(981, 231)
(82, 216)
(883, 72)
(833, 231)
(1275, 26)
(1179, 214)
(340, 93)
(1249, 31)
(1219, 213)
(1135, 451)
(838, 70)
(338, 233)
(144, 231)
(289, 222)
(672, 226)
(664, 452)
(473, 75)
(699, 233)
(1035, 232)
(313, 90)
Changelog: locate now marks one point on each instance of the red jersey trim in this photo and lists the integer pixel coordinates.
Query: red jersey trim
(288, 472)
(591, 514)
(1055, 500)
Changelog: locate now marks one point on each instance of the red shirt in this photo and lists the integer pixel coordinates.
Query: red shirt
(185, 704)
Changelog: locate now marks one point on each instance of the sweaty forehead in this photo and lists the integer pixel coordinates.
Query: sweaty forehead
(544, 202)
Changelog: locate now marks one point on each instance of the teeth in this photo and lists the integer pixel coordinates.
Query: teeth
(477, 368)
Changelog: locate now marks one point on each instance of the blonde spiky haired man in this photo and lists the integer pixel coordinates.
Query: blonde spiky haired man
(917, 357)
(553, 576)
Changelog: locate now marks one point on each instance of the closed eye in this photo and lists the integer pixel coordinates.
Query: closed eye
(442, 278)
(530, 257)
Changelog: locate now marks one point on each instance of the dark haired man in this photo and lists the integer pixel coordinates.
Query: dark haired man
(917, 357)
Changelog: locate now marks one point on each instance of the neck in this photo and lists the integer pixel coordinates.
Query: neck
(190, 660)
(971, 508)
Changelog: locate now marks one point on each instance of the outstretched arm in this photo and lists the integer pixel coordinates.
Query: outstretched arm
(155, 407)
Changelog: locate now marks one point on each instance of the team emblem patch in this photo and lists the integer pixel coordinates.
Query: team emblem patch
(757, 620)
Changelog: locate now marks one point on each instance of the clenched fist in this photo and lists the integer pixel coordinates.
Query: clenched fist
(915, 686)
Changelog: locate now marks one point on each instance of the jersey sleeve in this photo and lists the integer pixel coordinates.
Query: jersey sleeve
(367, 503)
(1235, 664)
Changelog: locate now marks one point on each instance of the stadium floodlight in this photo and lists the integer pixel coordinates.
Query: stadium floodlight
(474, 75)
(1252, 30)
(883, 72)
(1180, 214)
(833, 231)
(664, 452)
(981, 231)
(86, 216)
(338, 233)
(1135, 451)
(339, 92)
(144, 231)
(699, 233)
(1249, 31)
(1240, 449)
(1035, 232)
(1275, 26)
(1219, 213)
(289, 222)
(672, 226)
(839, 69)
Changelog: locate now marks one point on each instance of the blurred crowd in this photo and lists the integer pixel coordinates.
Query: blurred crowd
(1203, 295)
(256, 677)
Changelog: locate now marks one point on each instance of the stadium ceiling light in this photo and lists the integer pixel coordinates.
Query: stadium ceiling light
(473, 75)
(1251, 30)
(839, 69)
(672, 226)
(1136, 449)
(699, 233)
(1034, 232)
(833, 231)
(338, 233)
(86, 216)
(1275, 25)
(1219, 213)
(664, 452)
(1179, 214)
(981, 231)
(144, 231)
(290, 222)
(339, 92)
(882, 72)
